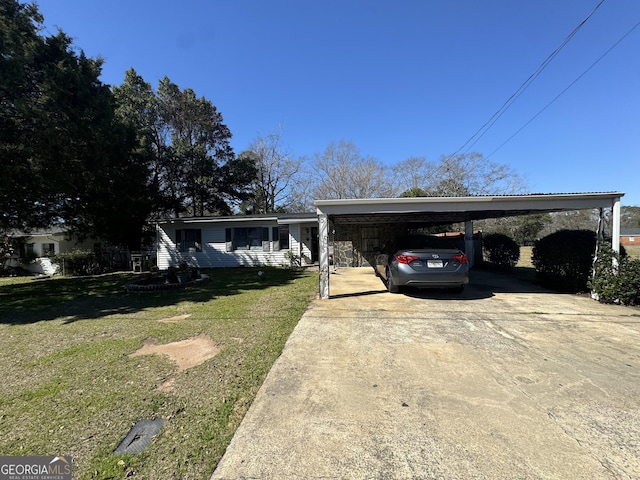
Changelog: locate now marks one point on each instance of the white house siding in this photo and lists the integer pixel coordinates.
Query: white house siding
(43, 245)
(299, 244)
(214, 248)
(42, 265)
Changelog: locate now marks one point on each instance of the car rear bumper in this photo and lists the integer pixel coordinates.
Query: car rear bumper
(431, 279)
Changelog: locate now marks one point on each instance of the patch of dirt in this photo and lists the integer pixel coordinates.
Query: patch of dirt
(185, 353)
(175, 319)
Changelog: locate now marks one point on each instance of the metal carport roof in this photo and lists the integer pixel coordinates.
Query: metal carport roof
(441, 210)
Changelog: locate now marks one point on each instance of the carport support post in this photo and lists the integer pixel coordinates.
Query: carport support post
(323, 234)
(615, 227)
(468, 242)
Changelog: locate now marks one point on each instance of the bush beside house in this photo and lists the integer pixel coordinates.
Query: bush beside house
(616, 278)
(563, 260)
(500, 250)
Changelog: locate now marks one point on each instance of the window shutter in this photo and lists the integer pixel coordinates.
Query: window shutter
(198, 240)
(265, 239)
(228, 239)
(275, 237)
(178, 240)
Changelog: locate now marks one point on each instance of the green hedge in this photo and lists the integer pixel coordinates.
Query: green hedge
(500, 250)
(616, 278)
(79, 262)
(563, 260)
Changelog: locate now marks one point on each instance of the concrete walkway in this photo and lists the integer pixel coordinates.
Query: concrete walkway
(506, 381)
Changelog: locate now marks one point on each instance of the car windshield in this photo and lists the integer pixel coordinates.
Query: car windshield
(419, 242)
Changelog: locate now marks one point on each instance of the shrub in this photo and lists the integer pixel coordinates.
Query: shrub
(616, 278)
(563, 260)
(294, 260)
(78, 262)
(500, 250)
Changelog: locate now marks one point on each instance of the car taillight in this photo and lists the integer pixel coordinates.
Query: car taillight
(406, 259)
(461, 258)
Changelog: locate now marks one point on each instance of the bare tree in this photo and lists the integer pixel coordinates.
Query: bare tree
(343, 173)
(480, 176)
(413, 173)
(458, 175)
(278, 170)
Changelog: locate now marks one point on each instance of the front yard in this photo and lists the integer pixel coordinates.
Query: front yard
(72, 387)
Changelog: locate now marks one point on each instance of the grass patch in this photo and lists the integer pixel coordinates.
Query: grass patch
(523, 270)
(633, 251)
(70, 386)
(525, 258)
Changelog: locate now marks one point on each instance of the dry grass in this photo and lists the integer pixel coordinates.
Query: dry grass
(70, 385)
(633, 251)
(525, 257)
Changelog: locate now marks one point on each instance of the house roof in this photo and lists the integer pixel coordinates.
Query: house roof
(280, 218)
(55, 230)
(630, 231)
(425, 210)
(439, 210)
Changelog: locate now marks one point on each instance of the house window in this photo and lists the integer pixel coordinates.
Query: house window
(284, 237)
(48, 249)
(30, 249)
(189, 240)
(280, 237)
(247, 238)
(632, 239)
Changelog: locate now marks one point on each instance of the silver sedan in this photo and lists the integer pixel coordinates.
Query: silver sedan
(423, 261)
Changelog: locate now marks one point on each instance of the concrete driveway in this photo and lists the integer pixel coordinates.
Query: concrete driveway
(506, 381)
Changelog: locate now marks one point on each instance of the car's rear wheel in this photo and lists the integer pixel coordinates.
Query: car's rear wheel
(392, 287)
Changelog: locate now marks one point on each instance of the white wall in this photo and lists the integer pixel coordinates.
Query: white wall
(214, 252)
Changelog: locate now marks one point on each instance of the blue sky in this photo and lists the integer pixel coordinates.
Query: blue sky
(398, 79)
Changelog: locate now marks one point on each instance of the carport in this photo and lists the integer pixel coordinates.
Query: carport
(416, 212)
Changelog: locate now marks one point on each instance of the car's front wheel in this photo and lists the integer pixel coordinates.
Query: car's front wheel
(392, 287)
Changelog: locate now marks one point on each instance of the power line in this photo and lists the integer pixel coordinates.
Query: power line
(505, 106)
(567, 88)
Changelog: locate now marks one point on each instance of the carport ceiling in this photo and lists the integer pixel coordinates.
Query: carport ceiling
(421, 218)
(424, 211)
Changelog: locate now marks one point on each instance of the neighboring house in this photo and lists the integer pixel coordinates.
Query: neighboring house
(40, 245)
(630, 236)
(247, 240)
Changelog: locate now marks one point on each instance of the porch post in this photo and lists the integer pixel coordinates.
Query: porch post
(323, 234)
(615, 225)
(468, 242)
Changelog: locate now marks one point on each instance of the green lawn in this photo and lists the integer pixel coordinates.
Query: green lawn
(70, 387)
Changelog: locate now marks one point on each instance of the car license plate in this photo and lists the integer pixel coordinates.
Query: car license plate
(434, 263)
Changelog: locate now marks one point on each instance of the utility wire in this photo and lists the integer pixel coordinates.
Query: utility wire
(567, 88)
(505, 106)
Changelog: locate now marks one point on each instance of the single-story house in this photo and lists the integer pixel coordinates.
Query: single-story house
(630, 236)
(253, 240)
(246, 240)
(40, 245)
